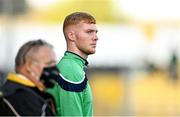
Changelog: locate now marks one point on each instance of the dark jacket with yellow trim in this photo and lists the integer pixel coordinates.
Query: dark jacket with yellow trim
(26, 99)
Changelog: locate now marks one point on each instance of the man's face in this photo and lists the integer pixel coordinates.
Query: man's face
(86, 38)
(44, 57)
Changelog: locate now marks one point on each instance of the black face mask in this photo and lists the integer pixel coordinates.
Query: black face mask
(50, 76)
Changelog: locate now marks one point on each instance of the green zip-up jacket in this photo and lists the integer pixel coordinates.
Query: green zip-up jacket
(72, 93)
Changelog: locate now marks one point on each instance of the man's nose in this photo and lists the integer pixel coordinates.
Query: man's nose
(95, 37)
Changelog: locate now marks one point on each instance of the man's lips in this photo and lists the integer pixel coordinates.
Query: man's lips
(94, 45)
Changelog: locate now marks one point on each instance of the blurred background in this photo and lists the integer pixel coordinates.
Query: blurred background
(135, 70)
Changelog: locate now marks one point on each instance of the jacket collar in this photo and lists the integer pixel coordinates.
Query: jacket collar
(19, 78)
(85, 62)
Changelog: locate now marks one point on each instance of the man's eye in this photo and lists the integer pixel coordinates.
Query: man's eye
(49, 64)
(89, 32)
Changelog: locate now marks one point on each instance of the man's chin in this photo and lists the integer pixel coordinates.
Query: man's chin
(92, 52)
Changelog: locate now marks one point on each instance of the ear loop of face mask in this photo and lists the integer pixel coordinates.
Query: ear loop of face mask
(34, 75)
(35, 62)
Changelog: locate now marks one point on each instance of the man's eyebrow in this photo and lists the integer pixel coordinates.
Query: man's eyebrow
(93, 30)
(51, 62)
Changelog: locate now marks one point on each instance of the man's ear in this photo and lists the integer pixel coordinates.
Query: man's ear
(28, 65)
(71, 35)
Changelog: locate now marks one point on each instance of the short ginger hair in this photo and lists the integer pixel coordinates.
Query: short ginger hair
(77, 17)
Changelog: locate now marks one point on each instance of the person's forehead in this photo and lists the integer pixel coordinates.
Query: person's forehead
(44, 48)
(45, 52)
(86, 22)
(87, 25)
(46, 55)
